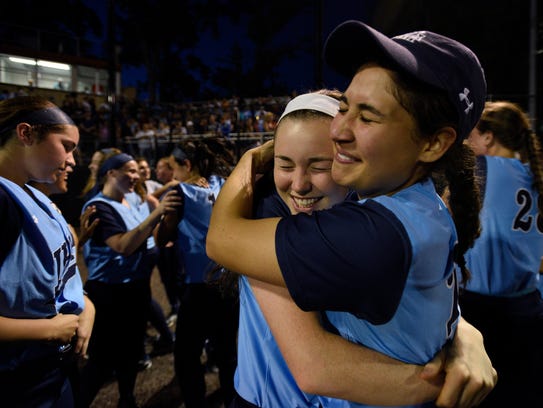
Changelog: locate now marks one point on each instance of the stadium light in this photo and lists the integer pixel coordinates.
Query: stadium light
(41, 63)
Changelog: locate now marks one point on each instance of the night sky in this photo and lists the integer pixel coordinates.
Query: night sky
(212, 49)
(497, 30)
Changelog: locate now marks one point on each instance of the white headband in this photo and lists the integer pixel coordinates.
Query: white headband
(313, 101)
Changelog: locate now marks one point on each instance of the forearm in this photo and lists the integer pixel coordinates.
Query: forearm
(22, 329)
(26, 329)
(86, 317)
(326, 364)
(126, 244)
(84, 330)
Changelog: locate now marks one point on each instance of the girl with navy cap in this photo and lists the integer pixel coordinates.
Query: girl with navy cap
(302, 183)
(390, 258)
(45, 316)
(119, 261)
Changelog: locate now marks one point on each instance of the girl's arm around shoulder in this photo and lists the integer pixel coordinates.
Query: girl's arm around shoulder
(324, 363)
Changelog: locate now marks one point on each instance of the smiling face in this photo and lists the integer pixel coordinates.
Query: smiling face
(126, 177)
(374, 137)
(60, 186)
(49, 157)
(303, 162)
(144, 169)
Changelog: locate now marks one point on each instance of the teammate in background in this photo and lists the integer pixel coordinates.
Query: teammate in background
(145, 176)
(502, 298)
(91, 189)
(118, 258)
(164, 174)
(389, 258)
(44, 315)
(143, 196)
(205, 313)
(168, 264)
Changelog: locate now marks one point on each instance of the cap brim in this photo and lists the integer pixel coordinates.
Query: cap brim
(354, 43)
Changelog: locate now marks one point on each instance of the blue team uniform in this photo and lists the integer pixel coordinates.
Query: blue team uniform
(192, 230)
(388, 261)
(505, 259)
(262, 376)
(205, 313)
(39, 278)
(119, 287)
(502, 298)
(103, 263)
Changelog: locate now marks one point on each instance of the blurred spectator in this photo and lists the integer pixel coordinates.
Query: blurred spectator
(145, 140)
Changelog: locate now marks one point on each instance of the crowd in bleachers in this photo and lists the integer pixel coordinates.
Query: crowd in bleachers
(149, 130)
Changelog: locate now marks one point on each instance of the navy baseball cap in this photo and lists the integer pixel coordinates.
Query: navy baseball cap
(431, 58)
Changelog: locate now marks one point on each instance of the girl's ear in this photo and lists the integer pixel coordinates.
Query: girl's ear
(24, 133)
(438, 145)
(488, 138)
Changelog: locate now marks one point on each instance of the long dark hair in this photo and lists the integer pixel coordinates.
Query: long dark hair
(510, 125)
(19, 106)
(432, 110)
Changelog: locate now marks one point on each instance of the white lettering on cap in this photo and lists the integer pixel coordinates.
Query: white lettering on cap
(464, 98)
(415, 36)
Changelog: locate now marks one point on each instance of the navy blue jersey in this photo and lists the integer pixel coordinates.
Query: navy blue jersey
(39, 277)
(103, 263)
(192, 229)
(505, 259)
(386, 260)
(13, 216)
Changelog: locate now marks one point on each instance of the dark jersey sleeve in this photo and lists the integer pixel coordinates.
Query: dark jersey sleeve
(271, 206)
(12, 222)
(110, 223)
(354, 258)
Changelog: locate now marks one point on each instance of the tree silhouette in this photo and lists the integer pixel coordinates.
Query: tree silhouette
(162, 36)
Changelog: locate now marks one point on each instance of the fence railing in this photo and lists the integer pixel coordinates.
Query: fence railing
(155, 147)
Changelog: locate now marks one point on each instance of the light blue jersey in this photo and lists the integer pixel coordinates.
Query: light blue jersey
(39, 277)
(262, 375)
(192, 229)
(106, 265)
(505, 259)
(142, 207)
(428, 313)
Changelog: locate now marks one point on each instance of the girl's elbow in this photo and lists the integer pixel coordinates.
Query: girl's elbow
(211, 247)
(123, 251)
(308, 381)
